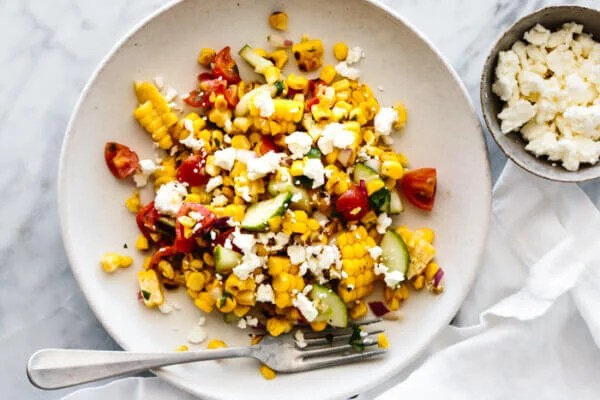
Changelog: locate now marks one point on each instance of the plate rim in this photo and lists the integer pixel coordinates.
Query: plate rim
(170, 376)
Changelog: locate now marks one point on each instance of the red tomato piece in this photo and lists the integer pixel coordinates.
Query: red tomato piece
(419, 187)
(225, 66)
(354, 203)
(193, 170)
(196, 99)
(206, 219)
(161, 254)
(146, 220)
(231, 95)
(312, 102)
(120, 159)
(267, 145)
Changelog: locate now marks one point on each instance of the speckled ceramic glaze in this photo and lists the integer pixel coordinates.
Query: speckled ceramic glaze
(512, 144)
(443, 132)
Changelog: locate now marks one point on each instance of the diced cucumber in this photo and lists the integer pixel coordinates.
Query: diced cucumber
(331, 308)
(259, 63)
(364, 173)
(380, 200)
(395, 205)
(225, 259)
(300, 199)
(394, 252)
(258, 215)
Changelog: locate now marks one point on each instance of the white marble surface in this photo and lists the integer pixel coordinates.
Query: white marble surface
(49, 50)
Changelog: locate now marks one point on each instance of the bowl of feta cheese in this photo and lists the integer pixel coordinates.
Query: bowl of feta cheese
(540, 93)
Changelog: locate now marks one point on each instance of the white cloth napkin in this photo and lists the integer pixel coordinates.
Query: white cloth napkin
(529, 329)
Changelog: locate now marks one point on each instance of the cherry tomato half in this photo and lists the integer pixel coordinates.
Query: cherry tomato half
(225, 66)
(193, 171)
(353, 204)
(161, 254)
(267, 145)
(419, 186)
(120, 159)
(206, 219)
(146, 220)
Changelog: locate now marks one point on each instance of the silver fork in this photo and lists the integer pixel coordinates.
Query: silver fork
(59, 368)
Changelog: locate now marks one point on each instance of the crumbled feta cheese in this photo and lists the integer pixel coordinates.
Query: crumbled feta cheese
(219, 200)
(265, 294)
(299, 143)
(244, 241)
(346, 71)
(393, 278)
(196, 335)
(242, 323)
(508, 66)
(259, 278)
(251, 321)
(584, 120)
(384, 120)
(250, 262)
(262, 166)
(225, 158)
(375, 252)
(321, 218)
(169, 198)
(383, 222)
(165, 308)
(380, 269)
(299, 339)
(264, 103)
(579, 91)
(171, 94)
(297, 254)
(306, 307)
(335, 135)
(245, 156)
(538, 35)
(307, 289)
(355, 54)
(214, 183)
(192, 143)
(515, 115)
(313, 169)
(147, 168)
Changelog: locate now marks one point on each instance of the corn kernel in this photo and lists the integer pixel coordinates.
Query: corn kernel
(359, 310)
(431, 269)
(280, 58)
(318, 326)
(297, 168)
(277, 326)
(402, 115)
(297, 82)
(133, 202)
(206, 56)
(216, 344)
(267, 372)
(392, 169)
(340, 51)
(272, 74)
(374, 186)
(183, 347)
(142, 243)
(110, 262)
(260, 52)
(327, 74)
(419, 282)
(308, 54)
(278, 20)
(204, 301)
(382, 341)
(426, 233)
(195, 281)
(240, 142)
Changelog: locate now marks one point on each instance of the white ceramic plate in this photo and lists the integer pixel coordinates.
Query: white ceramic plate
(443, 132)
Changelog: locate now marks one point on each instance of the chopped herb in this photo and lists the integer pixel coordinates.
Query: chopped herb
(304, 181)
(314, 153)
(378, 199)
(280, 87)
(217, 142)
(146, 294)
(356, 340)
(224, 298)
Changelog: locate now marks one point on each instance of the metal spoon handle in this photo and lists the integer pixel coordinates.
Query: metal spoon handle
(59, 368)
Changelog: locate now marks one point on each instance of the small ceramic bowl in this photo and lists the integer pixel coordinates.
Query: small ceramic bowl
(512, 144)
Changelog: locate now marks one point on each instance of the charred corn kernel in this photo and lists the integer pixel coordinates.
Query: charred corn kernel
(340, 51)
(272, 74)
(297, 82)
(267, 372)
(261, 52)
(278, 326)
(150, 288)
(318, 326)
(374, 186)
(216, 344)
(183, 347)
(279, 57)
(110, 262)
(204, 301)
(402, 115)
(327, 74)
(195, 281)
(240, 142)
(142, 243)
(369, 217)
(392, 169)
(358, 115)
(359, 310)
(320, 113)
(206, 56)
(426, 233)
(431, 270)
(278, 20)
(419, 282)
(308, 54)
(133, 203)
(382, 341)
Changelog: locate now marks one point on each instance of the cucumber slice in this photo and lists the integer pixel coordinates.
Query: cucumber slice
(300, 199)
(259, 63)
(395, 253)
(258, 215)
(380, 200)
(395, 206)
(331, 308)
(225, 259)
(364, 173)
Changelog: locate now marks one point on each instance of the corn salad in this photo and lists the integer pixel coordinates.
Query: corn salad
(273, 194)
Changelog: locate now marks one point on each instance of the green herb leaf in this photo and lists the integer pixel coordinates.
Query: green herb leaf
(303, 181)
(280, 87)
(378, 199)
(146, 294)
(314, 153)
(356, 340)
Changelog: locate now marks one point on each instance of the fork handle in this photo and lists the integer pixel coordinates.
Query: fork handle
(59, 368)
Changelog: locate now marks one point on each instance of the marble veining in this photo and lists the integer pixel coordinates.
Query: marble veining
(49, 50)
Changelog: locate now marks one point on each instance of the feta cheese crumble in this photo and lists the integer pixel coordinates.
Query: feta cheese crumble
(214, 183)
(383, 222)
(299, 143)
(169, 198)
(355, 54)
(264, 165)
(265, 293)
(147, 168)
(306, 307)
(335, 135)
(225, 158)
(385, 119)
(192, 143)
(264, 103)
(346, 71)
(313, 169)
(552, 96)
